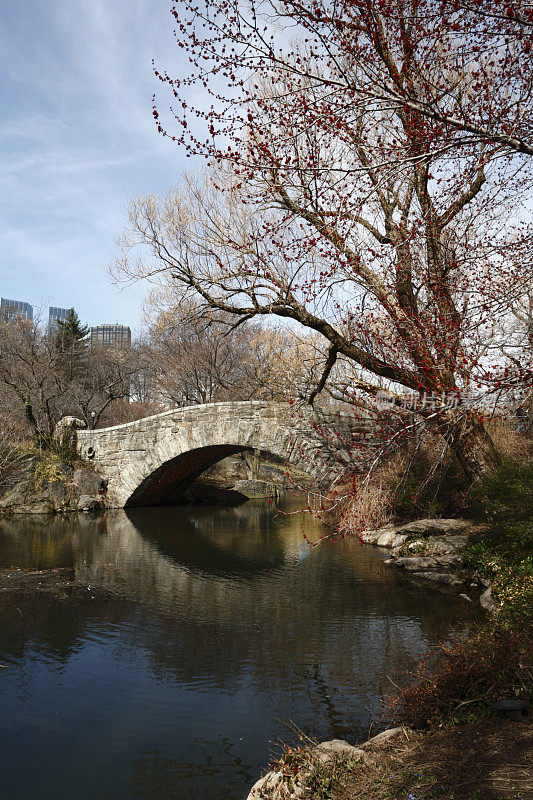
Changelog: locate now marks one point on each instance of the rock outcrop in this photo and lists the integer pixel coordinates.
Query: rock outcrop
(255, 488)
(430, 550)
(68, 489)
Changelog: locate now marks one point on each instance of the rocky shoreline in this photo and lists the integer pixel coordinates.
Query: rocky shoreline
(58, 488)
(430, 551)
(404, 763)
(68, 489)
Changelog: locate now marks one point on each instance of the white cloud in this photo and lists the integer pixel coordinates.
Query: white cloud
(78, 140)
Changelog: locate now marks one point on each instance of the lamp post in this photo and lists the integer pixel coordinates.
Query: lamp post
(93, 417)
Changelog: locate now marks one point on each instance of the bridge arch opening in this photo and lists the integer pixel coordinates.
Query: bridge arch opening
(169, 483)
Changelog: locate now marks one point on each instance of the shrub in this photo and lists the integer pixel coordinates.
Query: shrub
(66, 447)
(365, 508)
(493, 662)
(471, 674)
(15, 453)
(47, 469)
(505, 496)
(504, 554)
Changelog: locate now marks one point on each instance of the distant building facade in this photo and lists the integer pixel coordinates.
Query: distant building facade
(10, 309)
(56, 315)
(118, 336)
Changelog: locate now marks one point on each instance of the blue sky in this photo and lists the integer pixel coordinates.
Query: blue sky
(77, 143)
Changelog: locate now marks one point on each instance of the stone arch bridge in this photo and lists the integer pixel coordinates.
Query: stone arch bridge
(152, 461)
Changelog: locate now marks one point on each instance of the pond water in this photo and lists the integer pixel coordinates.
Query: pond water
(218, 629)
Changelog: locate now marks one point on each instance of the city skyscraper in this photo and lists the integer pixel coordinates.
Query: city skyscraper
(111, 336)
(55, 314)
(10, 309)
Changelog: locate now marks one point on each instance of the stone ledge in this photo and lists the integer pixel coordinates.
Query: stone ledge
(424, 563)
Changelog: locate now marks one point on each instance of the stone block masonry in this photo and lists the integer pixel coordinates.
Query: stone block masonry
(152, 461)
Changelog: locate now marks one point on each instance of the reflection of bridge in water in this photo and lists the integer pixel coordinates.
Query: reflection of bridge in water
(236, 592)
(240, 569)
(152, 461)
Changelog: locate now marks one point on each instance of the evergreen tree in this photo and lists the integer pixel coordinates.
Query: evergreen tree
(70, 333)
(71, 346)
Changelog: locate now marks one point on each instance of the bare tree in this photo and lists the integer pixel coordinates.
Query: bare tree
(44, 379)
(335, 199)
(285, 365)
(194, 360)
(14, 454)
(401, 305)
(32, 368)
(107, 378)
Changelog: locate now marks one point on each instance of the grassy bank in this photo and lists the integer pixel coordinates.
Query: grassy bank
(495, 660)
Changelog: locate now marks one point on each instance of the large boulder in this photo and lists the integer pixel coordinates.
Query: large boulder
(431, 546)
(386, 539)
(372, 536)
(419, 527)
(89, 504)
(444, 578)
(385, 737)
(424, 563)
(328, 751)
(486, 601)
(88, 482)
(433, 537)
(58, 494)
(433, 527)
(276, 785)
(269, 785)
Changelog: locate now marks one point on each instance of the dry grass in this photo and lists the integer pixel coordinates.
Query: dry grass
(366, 509)
(487, 761)
(508, 441)
(467, 674)
(370, 504)
(420, 481)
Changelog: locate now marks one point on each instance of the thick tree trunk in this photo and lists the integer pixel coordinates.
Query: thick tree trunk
(474, 448)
